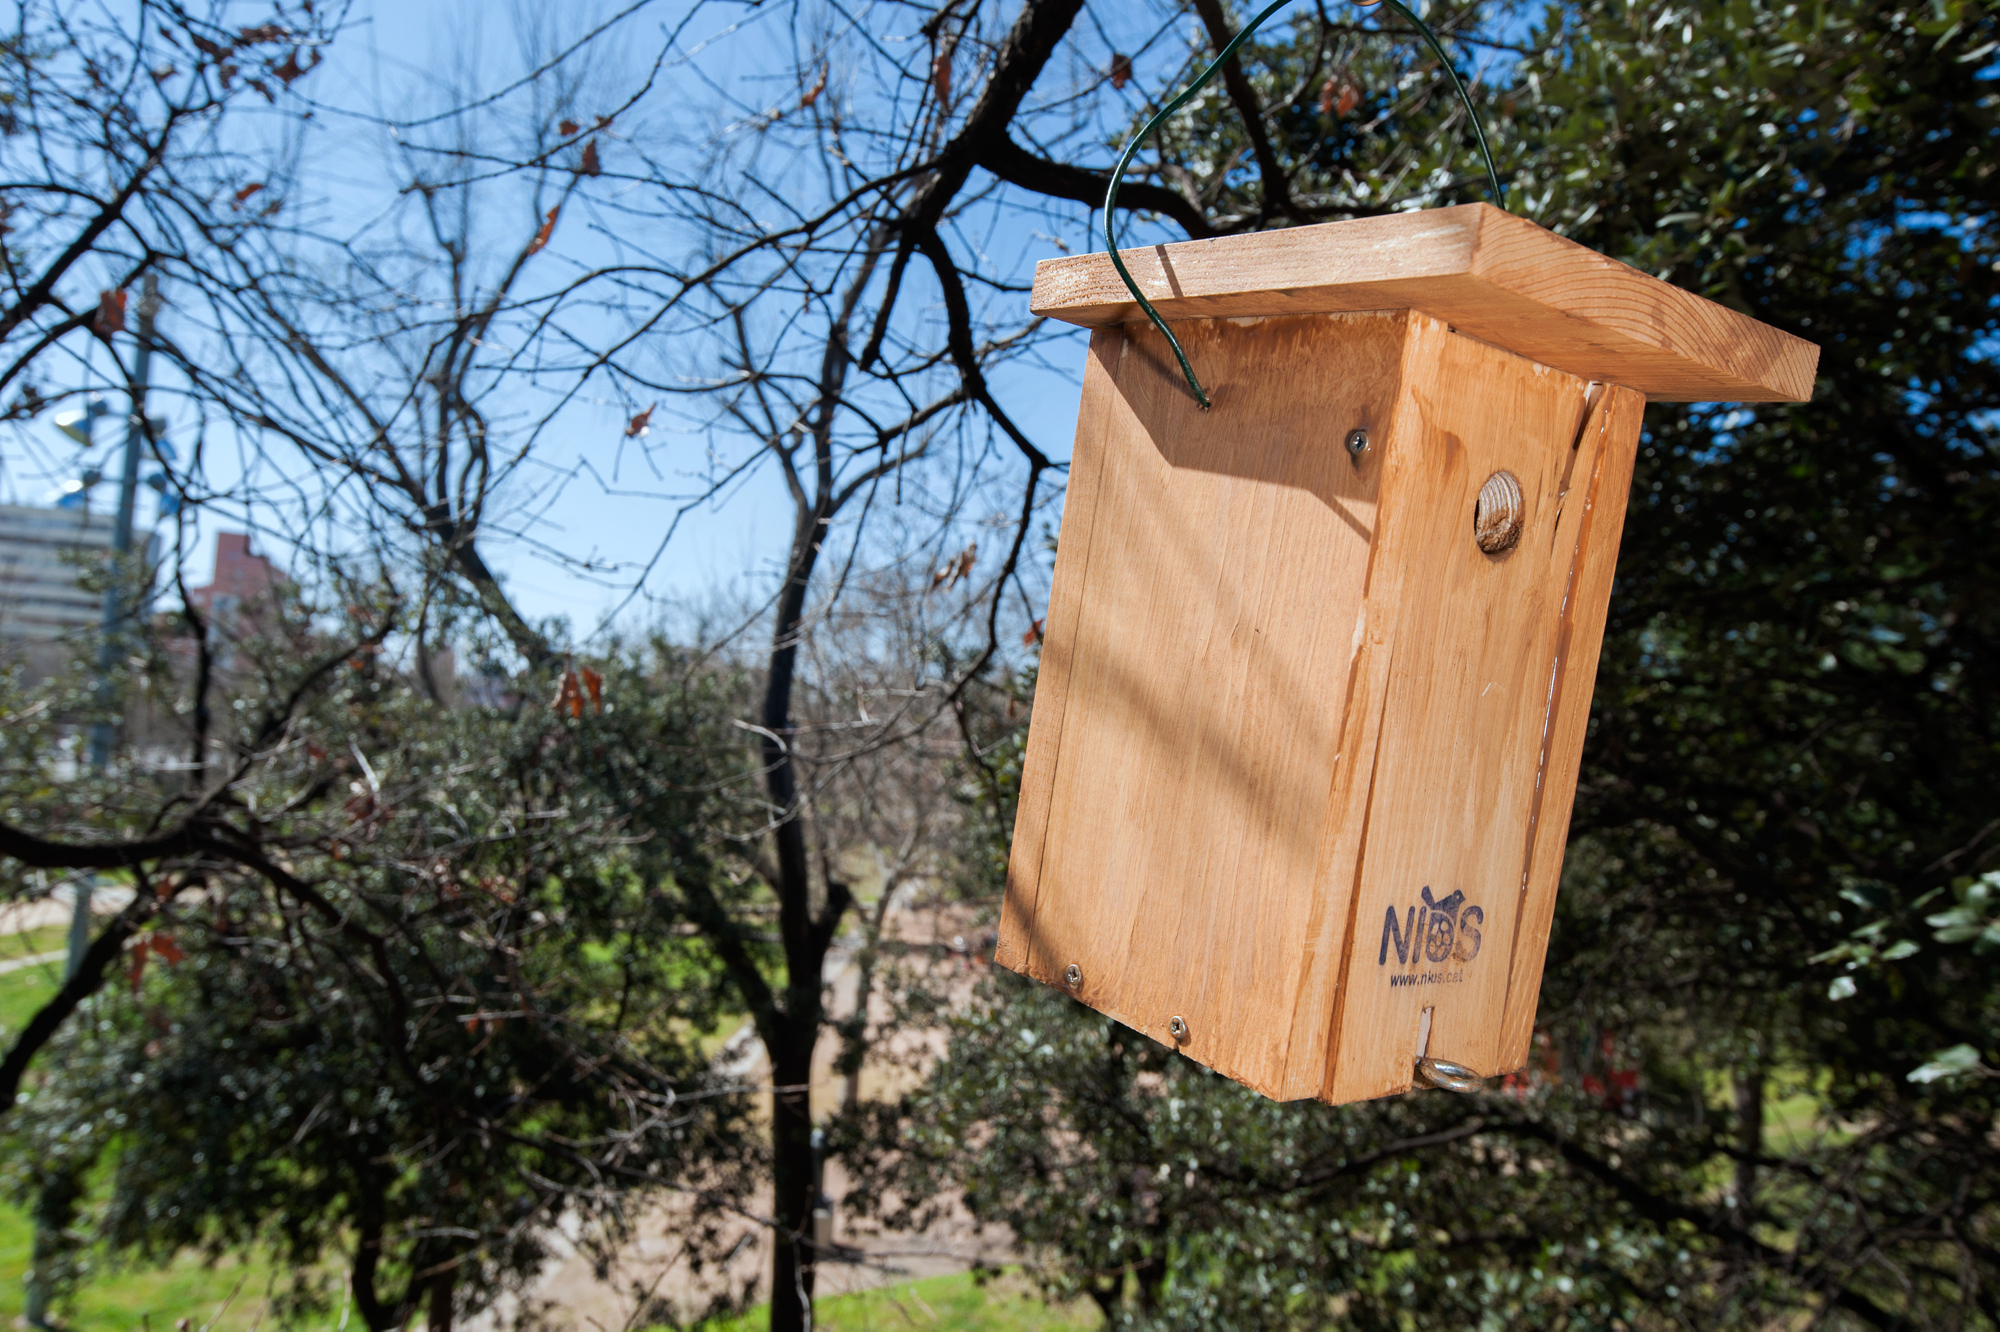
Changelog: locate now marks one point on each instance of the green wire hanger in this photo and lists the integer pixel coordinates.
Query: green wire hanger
(1125, 160)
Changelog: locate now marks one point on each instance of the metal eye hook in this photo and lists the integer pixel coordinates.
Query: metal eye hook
(1187, 94)
(1442, 1073)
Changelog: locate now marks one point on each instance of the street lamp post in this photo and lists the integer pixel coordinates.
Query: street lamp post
(117, 608)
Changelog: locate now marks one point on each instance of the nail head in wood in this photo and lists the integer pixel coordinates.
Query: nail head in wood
(1073, 976)
(1497, 517)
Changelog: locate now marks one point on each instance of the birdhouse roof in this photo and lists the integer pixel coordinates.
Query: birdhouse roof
(1490, 275)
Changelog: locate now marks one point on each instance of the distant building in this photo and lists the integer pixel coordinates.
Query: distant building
(241, 580)
(43, 556)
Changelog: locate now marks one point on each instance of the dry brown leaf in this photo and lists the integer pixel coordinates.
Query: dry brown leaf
(812, 93)
(568, 128)
(960, 567)
(244, 194)
(291, 69)
(640, 423)
(941, 76)
(1032, 636)
(110, 313)
(548, 230)
(589, 166)
(1121, 69)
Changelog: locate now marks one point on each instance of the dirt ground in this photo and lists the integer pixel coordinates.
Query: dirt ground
(651, 1277)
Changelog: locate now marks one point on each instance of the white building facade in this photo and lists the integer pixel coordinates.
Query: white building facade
(44, 554)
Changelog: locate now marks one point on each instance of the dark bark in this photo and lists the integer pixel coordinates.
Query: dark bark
(369, 1211)
(1750, 1138)
(793, 1266)
(41, 853)
(1021, 58)
(1277, 188)
(86, 981)
(442, 1288)
(42, 291)
(790, 1035)
(1059, 180)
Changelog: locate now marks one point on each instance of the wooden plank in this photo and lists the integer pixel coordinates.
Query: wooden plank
(1045, 722)
(1206, 670)
(1471, 639)
(1607, 451)
(1344, 836)
(1487, 273)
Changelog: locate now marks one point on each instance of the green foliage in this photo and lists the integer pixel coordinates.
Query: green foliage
(467, 1015)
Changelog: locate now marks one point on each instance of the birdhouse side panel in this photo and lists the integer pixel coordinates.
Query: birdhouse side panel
(1205, 699)
(1593, 518)
(1471, 636)
(1015, 948)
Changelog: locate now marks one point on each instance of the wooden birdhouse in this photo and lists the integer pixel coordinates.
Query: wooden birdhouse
(1318, 662)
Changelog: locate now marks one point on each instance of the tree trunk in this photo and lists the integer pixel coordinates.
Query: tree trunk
(793, 1258)
(1750, 1141)
(442, 1287)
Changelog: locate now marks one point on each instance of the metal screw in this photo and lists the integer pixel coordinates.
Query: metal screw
(1073, 975)
(1357, 444)
(1444, 1074)
(1177, 1028)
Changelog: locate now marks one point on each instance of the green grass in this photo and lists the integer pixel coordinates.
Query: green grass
(23, 992)
(230, 1296)
(28, 943)
(962, 1303)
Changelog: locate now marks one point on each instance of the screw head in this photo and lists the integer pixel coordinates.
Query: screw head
(1073, 975)
(1177, 1028)
(1357, 444)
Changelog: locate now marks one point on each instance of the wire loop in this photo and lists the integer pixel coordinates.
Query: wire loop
(1187, 94)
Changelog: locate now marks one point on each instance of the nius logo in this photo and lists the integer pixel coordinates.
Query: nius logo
(1438, 932)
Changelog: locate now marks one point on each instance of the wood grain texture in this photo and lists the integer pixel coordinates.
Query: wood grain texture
(1045, 723)
(1470, 639)
(1291, 719)
(1175, 855)
(1487, 273)
(1602, 472)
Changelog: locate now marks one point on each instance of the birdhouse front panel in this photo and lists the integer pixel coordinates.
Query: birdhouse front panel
(1281, 800)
